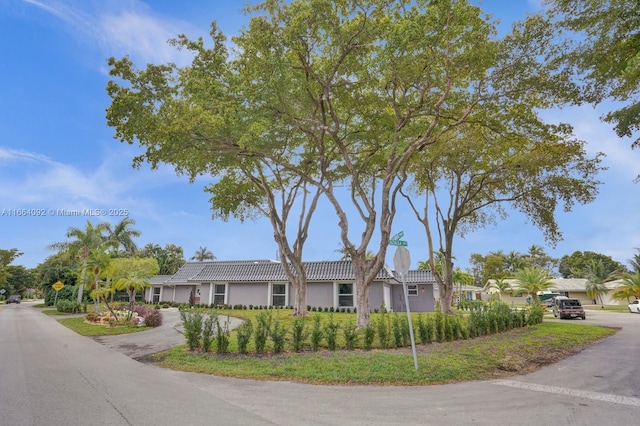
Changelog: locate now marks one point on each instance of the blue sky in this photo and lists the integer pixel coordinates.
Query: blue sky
(57, 153)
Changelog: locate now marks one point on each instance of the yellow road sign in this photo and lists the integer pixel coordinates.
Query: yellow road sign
(58, 286)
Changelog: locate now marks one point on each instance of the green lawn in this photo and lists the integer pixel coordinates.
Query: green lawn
(514, 352)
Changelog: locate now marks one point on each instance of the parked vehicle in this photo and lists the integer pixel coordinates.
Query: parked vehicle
(634, 306)
(565, 307)
(14, 299)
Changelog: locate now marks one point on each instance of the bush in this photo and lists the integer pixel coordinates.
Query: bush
(192, 325)
(382, 327)
(152, 317)
(316, 333)
(278, 333)
(222, 336)
(369, 334)
(331, 333)
(68, 306)
(350, 332)
(396, 327)
(425, 329)
(299, 334)
(243, 334)
(263, 328)
(536, 313)
(207, 332)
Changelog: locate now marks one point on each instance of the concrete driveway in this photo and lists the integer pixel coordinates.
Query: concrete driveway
(145, 343)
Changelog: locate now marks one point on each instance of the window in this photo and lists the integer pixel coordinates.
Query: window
(412, 289)
(219, 293)
(156, 295)
(345, 295)
(278, 294)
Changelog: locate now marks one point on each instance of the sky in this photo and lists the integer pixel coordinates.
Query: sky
(57, 153)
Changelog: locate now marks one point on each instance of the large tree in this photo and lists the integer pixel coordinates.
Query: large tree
(170, 258)
(605, 53)
(530, 166)
(577, 263)
(122, 236)
(338, 94)
(6, 257)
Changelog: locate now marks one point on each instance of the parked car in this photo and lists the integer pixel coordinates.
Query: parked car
(634, 306)
(14, 299)
(568, 308)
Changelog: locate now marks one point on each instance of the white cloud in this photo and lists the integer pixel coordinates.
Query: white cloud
(52, 184)
(121, 28)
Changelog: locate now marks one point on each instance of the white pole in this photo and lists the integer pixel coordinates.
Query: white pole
(413, 339)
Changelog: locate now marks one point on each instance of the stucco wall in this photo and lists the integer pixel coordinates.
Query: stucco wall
(423, 302)
(320, 294)
(248, 294)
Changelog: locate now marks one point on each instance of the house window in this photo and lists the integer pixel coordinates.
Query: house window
(219, 293)
(278, 295)
(412, 289)
(345, 295)
(156, 295)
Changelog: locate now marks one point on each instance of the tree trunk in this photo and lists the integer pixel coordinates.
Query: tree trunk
(300, 298)
(446, 297)
(362, 303)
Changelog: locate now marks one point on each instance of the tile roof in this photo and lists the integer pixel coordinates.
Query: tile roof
(265, 270)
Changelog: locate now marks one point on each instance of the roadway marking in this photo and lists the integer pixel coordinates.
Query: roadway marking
(596, 396)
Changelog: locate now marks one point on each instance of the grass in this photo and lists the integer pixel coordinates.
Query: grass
(514, 352)
(78, 325)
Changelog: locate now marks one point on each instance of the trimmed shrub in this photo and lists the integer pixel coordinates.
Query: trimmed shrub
(331, 333)
(278, 333)
(222, 336)
(243, 335)
(382, 328)
(316, 333)
(68, 306)
(350, 332)
(263, 328)
(299, 334)
(192, 325)
(207, 332)
(369, 335)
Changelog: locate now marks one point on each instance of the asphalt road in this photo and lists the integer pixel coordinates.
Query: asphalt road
(51, 376)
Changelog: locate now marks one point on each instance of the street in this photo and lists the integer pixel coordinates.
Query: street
(51, 376)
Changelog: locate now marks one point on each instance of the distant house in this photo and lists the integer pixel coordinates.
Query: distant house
(264, 283)
(570, 287)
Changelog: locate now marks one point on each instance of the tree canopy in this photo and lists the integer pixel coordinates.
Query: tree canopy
(605, 53)
(340, 96)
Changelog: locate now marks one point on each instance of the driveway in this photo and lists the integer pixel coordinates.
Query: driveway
(145, 343)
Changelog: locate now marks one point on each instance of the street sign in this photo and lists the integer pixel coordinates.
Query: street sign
(397, 236)
(402, 260)
(58, 286)
(398, 243)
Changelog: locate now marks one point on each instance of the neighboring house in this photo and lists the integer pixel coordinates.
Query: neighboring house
(570, 287)
(264, 283)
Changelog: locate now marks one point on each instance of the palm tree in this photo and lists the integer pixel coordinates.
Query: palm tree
(596, 275)
(514, 261)
(203, 254)
(501, 285)
(132, 275)
(122, 235)
(533, 280)
(630, 287)
(84, 243)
